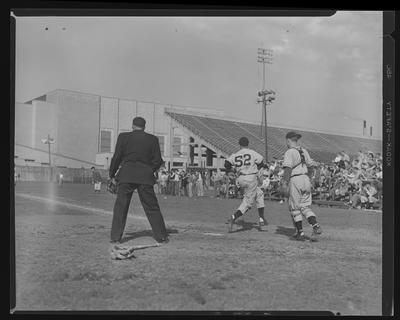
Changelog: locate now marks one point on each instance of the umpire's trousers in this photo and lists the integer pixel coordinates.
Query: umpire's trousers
(150, 205)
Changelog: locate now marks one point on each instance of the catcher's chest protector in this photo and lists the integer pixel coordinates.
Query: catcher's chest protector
(302, 158)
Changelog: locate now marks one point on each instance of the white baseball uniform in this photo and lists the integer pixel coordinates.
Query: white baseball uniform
(299, 184)
(245, 161)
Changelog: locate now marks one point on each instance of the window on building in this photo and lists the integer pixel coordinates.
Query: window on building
(105, 140)
(161, 140)
(177, 146)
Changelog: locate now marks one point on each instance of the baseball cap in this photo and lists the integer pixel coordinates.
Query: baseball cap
(243, 141)
(292, 134)
(139, 122)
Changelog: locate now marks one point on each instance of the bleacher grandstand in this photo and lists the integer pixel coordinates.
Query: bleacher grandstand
(88, 139)
(224, 136)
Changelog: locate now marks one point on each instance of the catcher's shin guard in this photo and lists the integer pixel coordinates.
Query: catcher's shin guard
(307, 212)
(296, 215)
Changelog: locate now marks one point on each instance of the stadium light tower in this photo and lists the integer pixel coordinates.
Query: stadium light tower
(265, 56)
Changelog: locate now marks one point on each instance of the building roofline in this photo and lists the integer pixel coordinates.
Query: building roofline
(157, 103)
(212, 113)
(230, 118)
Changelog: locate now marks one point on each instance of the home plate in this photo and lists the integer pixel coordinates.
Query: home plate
(213, 234)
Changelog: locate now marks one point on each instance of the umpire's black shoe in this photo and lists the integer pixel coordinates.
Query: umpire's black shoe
(163, 240)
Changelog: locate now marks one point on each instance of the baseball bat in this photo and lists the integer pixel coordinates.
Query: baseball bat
(146, 246)
(139, 247)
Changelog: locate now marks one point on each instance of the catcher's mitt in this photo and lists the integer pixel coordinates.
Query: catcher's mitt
(112, 186)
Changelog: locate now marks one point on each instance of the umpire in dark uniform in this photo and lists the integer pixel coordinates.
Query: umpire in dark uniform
(137, 156)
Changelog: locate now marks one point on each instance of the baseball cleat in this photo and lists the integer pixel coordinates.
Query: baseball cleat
(262, 223)
(230, 222)
(299, 236)
(317, 229)
(315, 234)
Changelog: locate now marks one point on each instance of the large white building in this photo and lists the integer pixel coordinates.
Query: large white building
(85, 127)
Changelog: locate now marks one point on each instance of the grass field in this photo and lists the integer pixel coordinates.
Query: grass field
(63, 257)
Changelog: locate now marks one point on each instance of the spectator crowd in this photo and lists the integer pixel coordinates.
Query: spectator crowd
(356, 182)
(182, 183)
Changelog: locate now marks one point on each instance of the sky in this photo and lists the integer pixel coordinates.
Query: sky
(326, 71)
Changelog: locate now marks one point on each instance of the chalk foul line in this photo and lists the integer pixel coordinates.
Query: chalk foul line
(70, 205)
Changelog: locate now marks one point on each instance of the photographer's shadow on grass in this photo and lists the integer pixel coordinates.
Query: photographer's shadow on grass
(143, 233)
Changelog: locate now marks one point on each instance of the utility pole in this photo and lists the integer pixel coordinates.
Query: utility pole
(265, 56)
(49, 140)
(267, 96)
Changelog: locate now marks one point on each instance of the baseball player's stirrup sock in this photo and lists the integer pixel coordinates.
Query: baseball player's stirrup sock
(236, 215)
(299, 227)
(261, 214)
(313, 221)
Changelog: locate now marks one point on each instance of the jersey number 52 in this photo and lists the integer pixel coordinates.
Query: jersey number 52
(239, 160)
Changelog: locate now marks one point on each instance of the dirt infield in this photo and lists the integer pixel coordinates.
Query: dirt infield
(63, 260)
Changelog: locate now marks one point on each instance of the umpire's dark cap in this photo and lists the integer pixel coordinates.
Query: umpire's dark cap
(293, 134)
(139, 122)
(243, 141)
